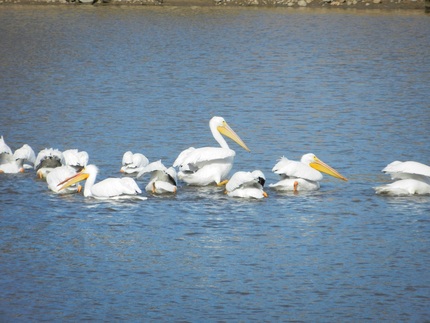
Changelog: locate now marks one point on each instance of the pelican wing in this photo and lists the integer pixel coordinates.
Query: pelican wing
(114, 187)
(127, 158)
(246, 184)
(183, 157)
(152, 167)
(74, 157)
(49, 157)
(25, 153)
(58, 175)
(193, 159)
(408, 169)
(140, 160)
(171, 172)
(70, 156)
(133, 163)
(240, 179)
(6, 158)
(291, 168)
(4, 148)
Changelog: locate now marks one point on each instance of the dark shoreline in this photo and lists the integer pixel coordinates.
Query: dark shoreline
(355, 4)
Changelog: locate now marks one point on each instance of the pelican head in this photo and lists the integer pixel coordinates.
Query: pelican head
(316, 163)
(82, 175)
(219, 124)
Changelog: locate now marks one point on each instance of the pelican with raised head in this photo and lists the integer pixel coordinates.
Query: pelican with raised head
(209, 165)
(109, 188)
(303, 175)
(411, 178)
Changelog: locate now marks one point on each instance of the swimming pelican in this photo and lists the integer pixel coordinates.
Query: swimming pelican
(110, 188)
(207, 165)
(75, 161)
(162, 180)
(412, 178)
(46, 160)
(303, 175)
(75, 158)
(133, 163)
(14, 163)
(4, 148)
(57, 176)
(247, 184)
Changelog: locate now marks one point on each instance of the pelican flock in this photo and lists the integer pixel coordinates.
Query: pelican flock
(63, 171)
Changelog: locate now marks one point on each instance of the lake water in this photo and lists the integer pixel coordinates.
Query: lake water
(350, 86)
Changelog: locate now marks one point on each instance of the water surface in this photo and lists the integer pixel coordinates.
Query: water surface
(350, 86)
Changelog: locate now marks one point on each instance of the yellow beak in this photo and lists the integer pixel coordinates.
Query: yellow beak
(73, 180)
(228, 132)
(319, 165)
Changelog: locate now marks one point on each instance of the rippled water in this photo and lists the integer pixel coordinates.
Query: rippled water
(350, 86)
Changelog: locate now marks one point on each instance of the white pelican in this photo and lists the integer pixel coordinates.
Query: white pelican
(162, 180)
(75, 158)
(412, 178)
(57, 176)
(207, 165)
(4, 148)
(303, 175)
(110, 188)
(46, 160)
(133, 163)
(247, 184)
(74, 161)
(14, 163)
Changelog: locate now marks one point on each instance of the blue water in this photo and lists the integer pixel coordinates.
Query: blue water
(350, 86)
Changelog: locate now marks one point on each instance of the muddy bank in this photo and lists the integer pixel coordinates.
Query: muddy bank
(358, 4)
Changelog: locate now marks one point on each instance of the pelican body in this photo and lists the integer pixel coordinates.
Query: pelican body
(46, 160)
(133, 163)
(110, 188)
(75, 161)
(162, 180)
(14, 163)
(57, 176)
(247, 185)
(209, 165)
(75, 158)
(303, 175)
(412, 178)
